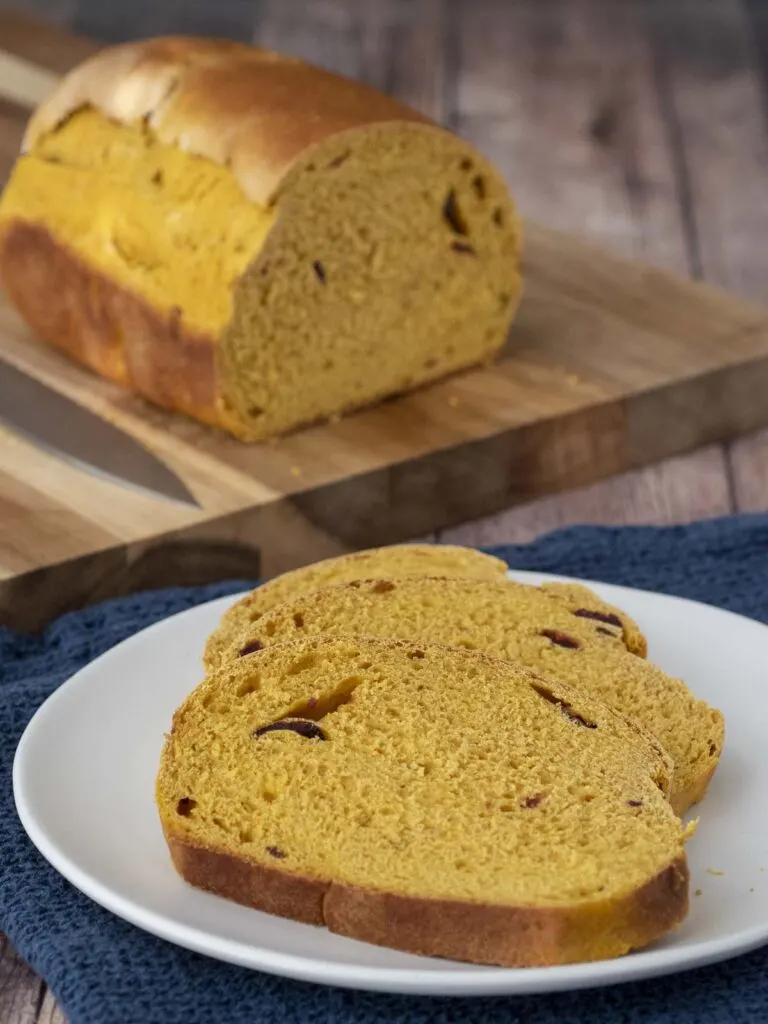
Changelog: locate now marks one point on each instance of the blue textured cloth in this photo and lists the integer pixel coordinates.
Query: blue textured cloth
(105, 971)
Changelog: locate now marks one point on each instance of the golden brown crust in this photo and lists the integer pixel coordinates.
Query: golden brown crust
(263, 888)
(683, 800)
(459, 930)
(251, 109)
(100, 323)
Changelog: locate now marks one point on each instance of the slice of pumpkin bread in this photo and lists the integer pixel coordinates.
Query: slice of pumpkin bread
(425, 798)
(523, 623)
(395, 560)
(402, 560)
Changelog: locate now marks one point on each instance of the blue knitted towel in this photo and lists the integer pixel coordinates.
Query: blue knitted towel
(105, 971)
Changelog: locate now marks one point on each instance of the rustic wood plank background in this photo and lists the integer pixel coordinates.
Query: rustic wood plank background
(641, 123)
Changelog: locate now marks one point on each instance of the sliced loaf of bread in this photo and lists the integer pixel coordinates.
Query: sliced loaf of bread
(522, 623)
(429, 799)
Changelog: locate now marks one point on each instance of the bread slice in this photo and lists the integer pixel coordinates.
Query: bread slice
(253, 241)
(528, 624)
(404, 560)
(425, 798)
(395, 560)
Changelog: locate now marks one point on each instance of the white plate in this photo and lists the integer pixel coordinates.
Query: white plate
(84, 777)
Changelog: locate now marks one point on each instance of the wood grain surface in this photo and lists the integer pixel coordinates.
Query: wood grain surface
(610, 364)
(641, 124)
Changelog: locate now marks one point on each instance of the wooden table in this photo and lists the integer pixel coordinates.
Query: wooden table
(642, 123)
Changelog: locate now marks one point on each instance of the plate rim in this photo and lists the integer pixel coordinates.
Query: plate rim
(467, 981)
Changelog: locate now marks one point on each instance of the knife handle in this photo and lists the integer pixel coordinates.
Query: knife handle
(23, 82)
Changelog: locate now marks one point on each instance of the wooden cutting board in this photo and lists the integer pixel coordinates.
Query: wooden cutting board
(610, 365)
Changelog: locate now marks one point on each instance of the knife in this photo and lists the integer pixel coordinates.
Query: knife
(59, 425)
(49, 419)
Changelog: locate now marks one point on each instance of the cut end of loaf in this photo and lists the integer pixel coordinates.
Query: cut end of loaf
(395, 262)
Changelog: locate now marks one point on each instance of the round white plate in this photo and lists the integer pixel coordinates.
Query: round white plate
(84, 777)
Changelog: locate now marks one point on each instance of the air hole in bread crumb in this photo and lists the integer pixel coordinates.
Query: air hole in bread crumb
(158, 178)
(254, 411)
(307, 662)
(634, 803)
(340, 159)
(466, 164)
(565, 708)
(251, 648)
(298, 620)
(185, 806)
(498, 217)
(249, 685)
(453, 216)
(478, 186)
(382, 587)
(319, 270)
(270, 629)
(712, 749)
(416, 655)
(246, 835)
(316, 708)
(464, 247)
(276, 852)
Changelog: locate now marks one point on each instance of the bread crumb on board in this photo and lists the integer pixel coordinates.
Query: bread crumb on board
(712, 871)
(697, 893)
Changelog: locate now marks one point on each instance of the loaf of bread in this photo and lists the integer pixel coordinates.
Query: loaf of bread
(429, 799)
(395, 560)
(529, 625)
(252, 241)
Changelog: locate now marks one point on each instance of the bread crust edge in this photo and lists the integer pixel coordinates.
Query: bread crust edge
(505, 936)
(80, 311)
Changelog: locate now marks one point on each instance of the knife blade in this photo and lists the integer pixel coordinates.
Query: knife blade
(81, 437)
(23, 82)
